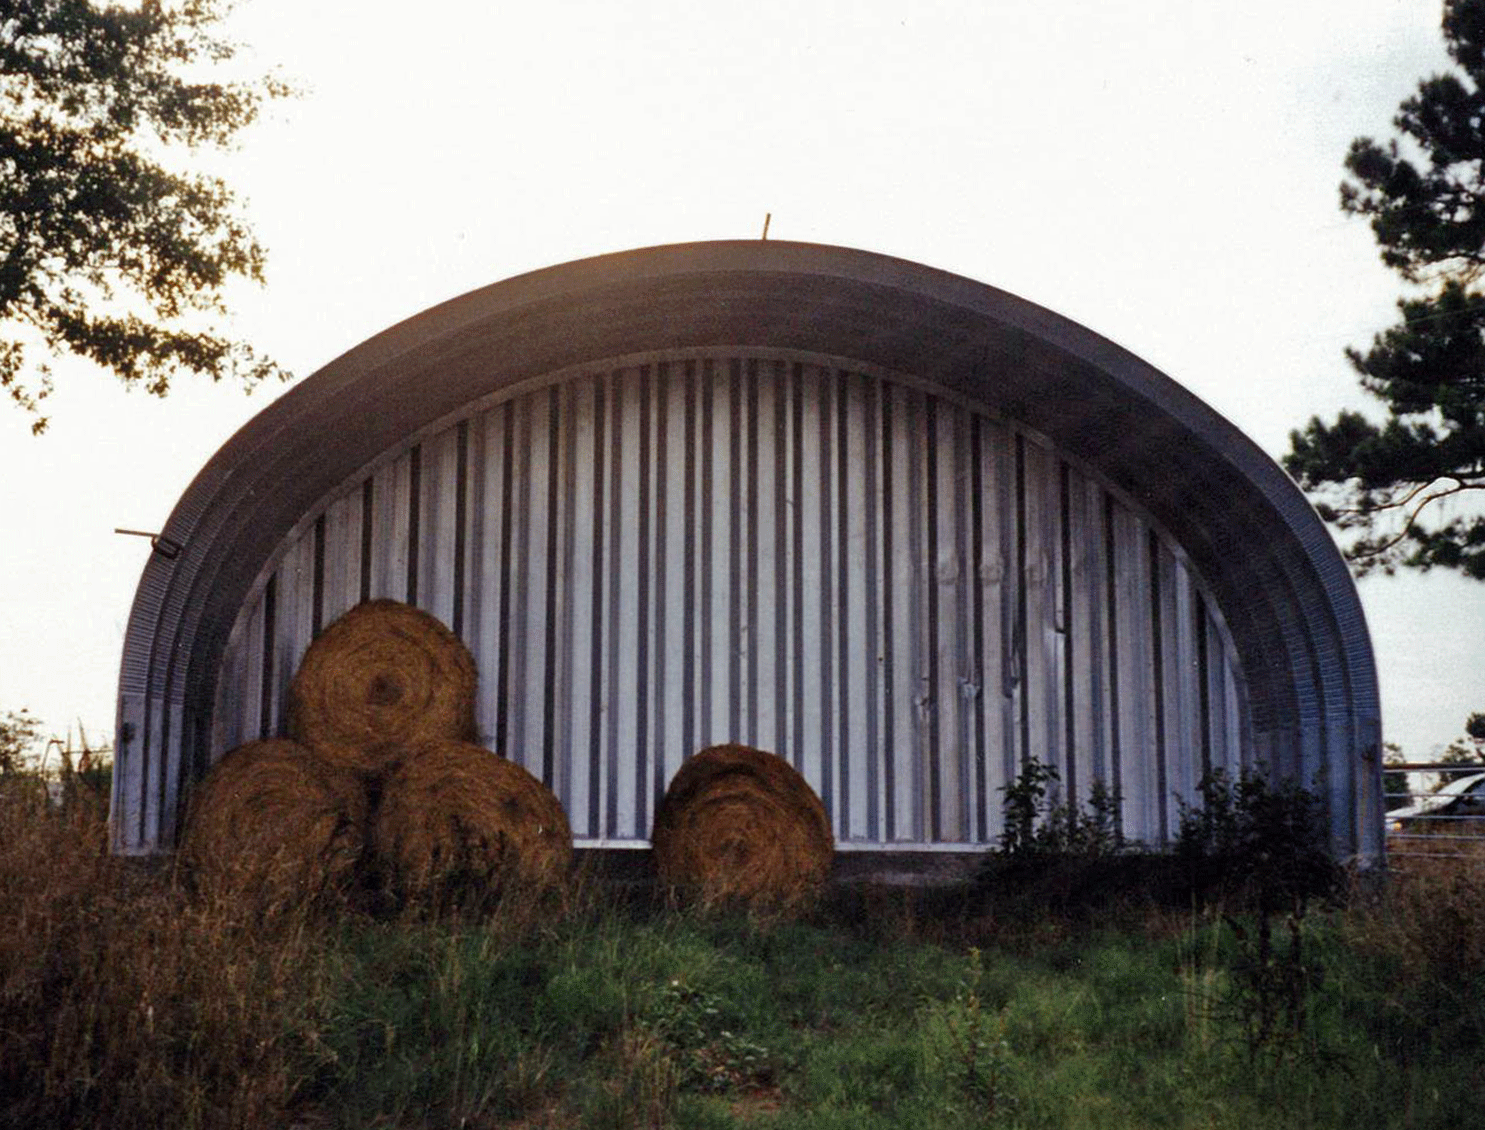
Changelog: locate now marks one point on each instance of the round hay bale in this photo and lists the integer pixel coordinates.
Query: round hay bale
(383, 677)
(272, 821)
(459, 825)
(741, 825)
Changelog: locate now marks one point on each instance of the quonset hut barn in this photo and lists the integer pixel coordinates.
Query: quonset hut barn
(900, 527)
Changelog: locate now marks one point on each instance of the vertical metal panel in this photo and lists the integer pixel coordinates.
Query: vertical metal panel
(1139, 782)
(342, 563)
(174, 769)
(437, 510)
(227, 718)
(768, 542)
(1238, 729)
(1164, 664)
(638, 771)
(831, 586)
(670, 551)
(809, 594)
(293, 623)
(784, 518)
(858, 664)
(623, 607)
(154, 770)
(522, 592)
(562, 628)
(899, 596)
(128, 794)
(1084, 545)
(390, 516)
(925, 528)
(1226, 709)
(942, 579)
(992, 610)
(712, 487)
(904, 596)
(554, 563)
(530, 596)
(917, 670)
(1006, 463)
(483, 629)
(871, 763)
(250, 628)
(961, 690)
(1043, 708)
(1184, 745)
(581, 675)
(745, 519)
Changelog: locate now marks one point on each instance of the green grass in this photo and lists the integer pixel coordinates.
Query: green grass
(125, 1002)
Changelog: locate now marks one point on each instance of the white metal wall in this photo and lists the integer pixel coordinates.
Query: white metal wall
(900, 593)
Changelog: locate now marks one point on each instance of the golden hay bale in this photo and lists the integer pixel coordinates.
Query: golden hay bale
(458, 825)
(273, 821)
(741, 825)
(384, 676)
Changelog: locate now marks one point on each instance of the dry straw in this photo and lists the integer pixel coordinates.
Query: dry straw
(459, 825)
(273, 822)
(383, 677)
(741, 825)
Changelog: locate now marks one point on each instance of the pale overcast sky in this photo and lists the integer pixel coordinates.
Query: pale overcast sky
(1162, 171)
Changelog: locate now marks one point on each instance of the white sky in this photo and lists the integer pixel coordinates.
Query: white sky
(1161, 171)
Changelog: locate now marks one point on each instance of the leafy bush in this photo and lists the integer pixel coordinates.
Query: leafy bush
(1260, 847)
(1265, 845)
(1037, 823)
(709, 1055)
(967, 1039)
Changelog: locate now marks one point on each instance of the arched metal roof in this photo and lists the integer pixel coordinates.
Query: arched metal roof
(1286, 592)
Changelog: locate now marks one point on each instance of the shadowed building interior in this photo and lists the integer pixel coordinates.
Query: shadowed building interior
(900, 527)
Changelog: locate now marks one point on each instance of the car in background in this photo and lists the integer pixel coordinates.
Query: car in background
(1461, 797)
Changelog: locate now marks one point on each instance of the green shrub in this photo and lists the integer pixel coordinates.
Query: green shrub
(1038, 824)
(1264, 844)
(966, 1042)
(1262, 848)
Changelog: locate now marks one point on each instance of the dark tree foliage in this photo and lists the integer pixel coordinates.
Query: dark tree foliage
(105, 253)
(1408, 490)
(18, 735)
(1470, 748)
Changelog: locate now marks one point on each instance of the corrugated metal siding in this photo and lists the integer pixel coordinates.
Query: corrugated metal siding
(901, 593)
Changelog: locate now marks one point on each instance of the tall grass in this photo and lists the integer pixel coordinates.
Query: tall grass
(125, 1000)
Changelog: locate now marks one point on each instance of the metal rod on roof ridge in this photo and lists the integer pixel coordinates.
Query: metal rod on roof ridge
(767, 216)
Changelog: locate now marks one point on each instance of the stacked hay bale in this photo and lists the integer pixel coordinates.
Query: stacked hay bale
(457, 824)
(383, 679)
(380, 782)
(739, 825)
(380, 786)
(275, 823)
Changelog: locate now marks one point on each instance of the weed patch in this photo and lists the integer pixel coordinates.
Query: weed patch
(127, 1001)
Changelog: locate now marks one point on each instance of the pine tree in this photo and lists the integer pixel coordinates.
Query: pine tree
(1406, 492)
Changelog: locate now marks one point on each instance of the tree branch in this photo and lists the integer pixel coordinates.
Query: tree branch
(1460, 487)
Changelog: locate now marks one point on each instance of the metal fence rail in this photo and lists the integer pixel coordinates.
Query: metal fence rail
(1439, 814)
